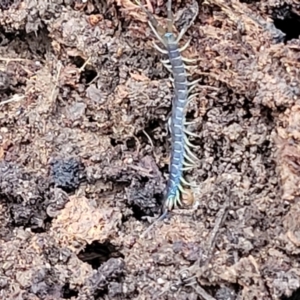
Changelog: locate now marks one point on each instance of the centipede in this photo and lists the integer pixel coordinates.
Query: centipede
(182, 158)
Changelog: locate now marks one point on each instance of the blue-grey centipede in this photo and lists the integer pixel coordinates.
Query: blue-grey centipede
(181, 155)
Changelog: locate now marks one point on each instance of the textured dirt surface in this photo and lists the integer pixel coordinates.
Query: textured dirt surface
(84, 150)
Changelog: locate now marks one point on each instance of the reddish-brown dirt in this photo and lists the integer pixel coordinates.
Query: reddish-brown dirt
(84, 153)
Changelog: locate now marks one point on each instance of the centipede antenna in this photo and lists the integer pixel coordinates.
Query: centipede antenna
(150, 16)
(170, 16)
(158, 30)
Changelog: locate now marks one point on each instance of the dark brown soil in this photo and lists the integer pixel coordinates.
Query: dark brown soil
(84, 150)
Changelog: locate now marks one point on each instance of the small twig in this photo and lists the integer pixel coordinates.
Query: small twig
(150, 141)
(219, 221)
(209, 87)
(192, 281)
(84, 65)
(141, 171)
(14, 59)
(14, 98)
(213, 235)
(56, 84)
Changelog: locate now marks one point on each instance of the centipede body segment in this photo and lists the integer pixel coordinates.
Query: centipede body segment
(182, 157)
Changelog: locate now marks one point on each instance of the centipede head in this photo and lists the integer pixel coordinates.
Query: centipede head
(155, 26)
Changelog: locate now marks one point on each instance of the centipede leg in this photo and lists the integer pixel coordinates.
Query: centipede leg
(186, 140)
(181, 189)
(191, 97)
(187, 183)
(187, 165)
(185, 46)
(170, 124)
(177, 199)
(168, 67)
(165, 61)
(190, 153)
(189, 159)
(189, 67)
(192, 85)
(193, 82)
(188, 168)
(167, 64)
(190, 133)
(163, 51)
(189, 60)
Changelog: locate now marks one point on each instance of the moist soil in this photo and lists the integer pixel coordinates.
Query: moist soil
(85, 148)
